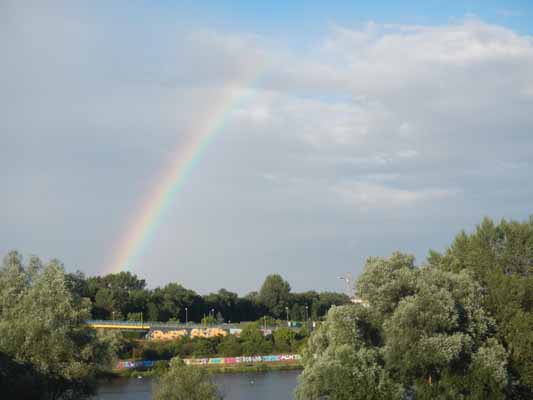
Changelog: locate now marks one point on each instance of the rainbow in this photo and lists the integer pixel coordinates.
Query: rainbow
(185, 157)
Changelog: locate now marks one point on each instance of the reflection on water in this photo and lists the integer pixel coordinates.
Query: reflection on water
(125, 388)
(277, 385)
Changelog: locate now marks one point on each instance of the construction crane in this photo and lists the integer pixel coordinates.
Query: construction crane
(349, 290)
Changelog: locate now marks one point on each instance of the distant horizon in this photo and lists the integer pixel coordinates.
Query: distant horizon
(341, 288)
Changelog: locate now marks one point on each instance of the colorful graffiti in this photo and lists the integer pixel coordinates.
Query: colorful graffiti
(208, 332)
(243, 359)
(140, 364)
(174, 334)
(168, 335)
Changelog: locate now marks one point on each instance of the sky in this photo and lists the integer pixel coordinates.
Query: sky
(357, 130)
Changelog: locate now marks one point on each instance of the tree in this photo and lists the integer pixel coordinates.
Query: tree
(341, 360)
(284, 340)
(384, 282)
(105, 302)
(253, 341)
(20, 380)
(500, 257)
(274, 294)
(230, 346)
(42, 325)
(204, 347)
(223, 302)
(328, 299)
(183, 382)
(426, 333)
(440, 338)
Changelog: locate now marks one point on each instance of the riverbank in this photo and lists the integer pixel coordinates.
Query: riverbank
(215, 369)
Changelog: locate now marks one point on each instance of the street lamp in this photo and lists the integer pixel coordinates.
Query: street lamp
(306, 314)
(186, 315)
(113, 313)
(287, 310)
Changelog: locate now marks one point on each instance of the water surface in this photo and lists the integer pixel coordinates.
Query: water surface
(277, 385)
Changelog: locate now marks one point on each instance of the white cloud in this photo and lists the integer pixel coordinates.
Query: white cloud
(378, 196)
(384, 117)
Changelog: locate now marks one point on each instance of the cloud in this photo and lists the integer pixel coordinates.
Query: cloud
(378, 196)
(410, 126)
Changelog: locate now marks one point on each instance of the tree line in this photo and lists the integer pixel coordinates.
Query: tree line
(124, 296)
(251, 341)
(460, 326)
(48, 352)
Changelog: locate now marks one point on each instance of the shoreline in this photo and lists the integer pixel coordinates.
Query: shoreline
(214, 369)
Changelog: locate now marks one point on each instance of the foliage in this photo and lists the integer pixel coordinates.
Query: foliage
(205, 347)
(42, 326)
(459, 327)
(230, 346)
(124, 296)
(253, 341)
(19, 380)
(284, 340)
(274, 294)
(182, 382)
(500, 257)
(250, 342)
(341, 361)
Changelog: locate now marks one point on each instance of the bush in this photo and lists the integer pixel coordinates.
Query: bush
(182, 382)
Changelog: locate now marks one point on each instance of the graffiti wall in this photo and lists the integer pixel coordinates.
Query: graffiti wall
(139, 364)
(216, 361)
(157, 334)
(243, 359)
(172, 334)
(208, 332)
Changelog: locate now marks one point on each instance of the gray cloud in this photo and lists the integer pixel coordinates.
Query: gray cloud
(384, 138)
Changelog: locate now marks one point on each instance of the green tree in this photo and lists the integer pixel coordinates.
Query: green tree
(284, 340)
(182, 382)
(385, 281)
(105, 301)
(427, 332)
(500, 257)
(230, 346)
(275, 295)
(204, 347)
(253, 341)
(42, 325)
(20, 380)
(341, 361)
(438, 338)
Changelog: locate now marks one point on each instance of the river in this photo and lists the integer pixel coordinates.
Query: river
(277, 385)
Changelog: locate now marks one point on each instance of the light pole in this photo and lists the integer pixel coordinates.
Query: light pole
(287, 311)
(186, 315)
(306, 315)
(113, 313)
